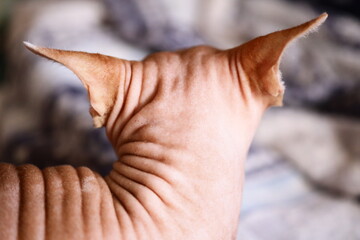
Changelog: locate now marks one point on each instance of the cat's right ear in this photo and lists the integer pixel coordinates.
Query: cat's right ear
(260, 58)
(101, 75)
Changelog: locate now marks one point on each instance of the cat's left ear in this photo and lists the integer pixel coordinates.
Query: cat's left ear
(101, 75)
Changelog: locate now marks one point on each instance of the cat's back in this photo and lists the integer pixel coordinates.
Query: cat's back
(60, 202)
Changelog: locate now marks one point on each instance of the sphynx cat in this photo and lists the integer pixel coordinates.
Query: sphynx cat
(181, 124)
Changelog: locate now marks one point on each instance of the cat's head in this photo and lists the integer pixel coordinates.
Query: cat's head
(256, 61)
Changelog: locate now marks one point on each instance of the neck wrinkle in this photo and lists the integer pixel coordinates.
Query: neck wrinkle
(249, 89)
(125, 78)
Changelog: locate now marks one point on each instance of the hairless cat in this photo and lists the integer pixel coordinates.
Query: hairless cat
(181, 124)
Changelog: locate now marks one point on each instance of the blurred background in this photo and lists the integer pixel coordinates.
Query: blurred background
(303, 169)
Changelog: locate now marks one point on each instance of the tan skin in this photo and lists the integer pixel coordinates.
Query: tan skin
(181, 124)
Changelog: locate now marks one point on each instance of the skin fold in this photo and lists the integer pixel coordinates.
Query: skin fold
(181, 124)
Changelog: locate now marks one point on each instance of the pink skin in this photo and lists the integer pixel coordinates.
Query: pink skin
(182, 136)
(181, 124)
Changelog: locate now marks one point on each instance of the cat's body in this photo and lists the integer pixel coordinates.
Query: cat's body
(181, 124)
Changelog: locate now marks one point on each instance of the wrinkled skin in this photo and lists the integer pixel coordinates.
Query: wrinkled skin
(181, 124)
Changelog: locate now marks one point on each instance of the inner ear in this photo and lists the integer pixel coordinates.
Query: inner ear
(101, 75)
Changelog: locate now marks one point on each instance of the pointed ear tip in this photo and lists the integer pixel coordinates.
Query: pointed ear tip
(313, 25)
(322, 18)
(324, 15)
(33, 48)
(45, 52)
(29, 46)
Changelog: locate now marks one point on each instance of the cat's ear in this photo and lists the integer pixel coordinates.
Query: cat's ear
(260, 58)
(101, 75)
